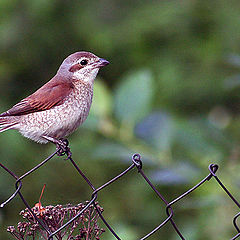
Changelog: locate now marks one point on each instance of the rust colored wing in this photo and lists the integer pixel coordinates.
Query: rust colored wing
(49, 95)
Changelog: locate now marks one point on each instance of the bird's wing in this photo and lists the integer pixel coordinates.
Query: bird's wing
(49, 95)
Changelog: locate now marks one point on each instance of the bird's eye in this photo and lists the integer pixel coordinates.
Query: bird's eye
(84, 62)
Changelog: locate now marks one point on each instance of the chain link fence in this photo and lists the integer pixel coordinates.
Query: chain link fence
(136, 165)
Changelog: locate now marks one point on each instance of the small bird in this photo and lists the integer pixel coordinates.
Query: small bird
(60, 106)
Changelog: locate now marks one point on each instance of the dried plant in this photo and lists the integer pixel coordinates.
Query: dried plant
(84, 227)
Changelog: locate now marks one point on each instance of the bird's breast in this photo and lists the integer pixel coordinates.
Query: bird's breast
(76, 106)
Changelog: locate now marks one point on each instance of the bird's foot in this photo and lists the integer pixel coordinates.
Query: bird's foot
(63, 148)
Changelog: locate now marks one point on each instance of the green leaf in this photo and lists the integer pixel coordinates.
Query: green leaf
(134, 96)
(101, 106)
(102, 100)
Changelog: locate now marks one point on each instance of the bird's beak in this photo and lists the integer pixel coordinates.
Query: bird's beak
(102, 62)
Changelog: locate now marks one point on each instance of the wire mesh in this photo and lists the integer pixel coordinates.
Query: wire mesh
(137, 164)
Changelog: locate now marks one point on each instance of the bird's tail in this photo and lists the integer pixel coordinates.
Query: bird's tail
(7, 123)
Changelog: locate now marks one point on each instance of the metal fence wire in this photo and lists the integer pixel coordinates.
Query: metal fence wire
(137, 165)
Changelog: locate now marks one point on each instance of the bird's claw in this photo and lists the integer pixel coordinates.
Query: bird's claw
(62, 148)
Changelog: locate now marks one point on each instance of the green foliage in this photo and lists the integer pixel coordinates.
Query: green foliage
(171, 93)
(133, 96)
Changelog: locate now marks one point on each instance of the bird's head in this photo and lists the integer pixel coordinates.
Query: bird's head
(82, 66)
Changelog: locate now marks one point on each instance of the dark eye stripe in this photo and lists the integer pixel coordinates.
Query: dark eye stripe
(75, 67)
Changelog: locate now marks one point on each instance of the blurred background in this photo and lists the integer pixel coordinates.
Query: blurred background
(171, 93)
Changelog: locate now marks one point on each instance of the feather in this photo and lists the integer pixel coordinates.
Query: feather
(49, 95)
(6, 123)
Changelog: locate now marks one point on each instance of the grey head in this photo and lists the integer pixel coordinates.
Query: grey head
(81, 66)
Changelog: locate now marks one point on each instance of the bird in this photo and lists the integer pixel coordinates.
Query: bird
(60, 106)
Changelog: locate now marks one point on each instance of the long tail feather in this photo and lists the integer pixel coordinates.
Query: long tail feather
(7, 127)
(6, 123)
